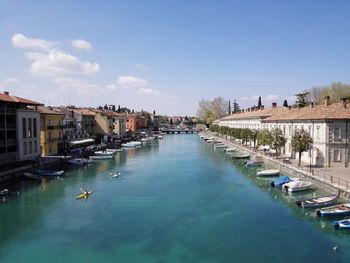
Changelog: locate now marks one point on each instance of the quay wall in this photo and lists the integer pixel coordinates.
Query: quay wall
(323, 183)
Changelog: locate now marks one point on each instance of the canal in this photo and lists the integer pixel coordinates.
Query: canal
(177, 200)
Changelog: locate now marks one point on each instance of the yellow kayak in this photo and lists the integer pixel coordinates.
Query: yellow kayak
(83, 195)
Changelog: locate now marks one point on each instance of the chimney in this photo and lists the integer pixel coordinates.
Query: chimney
(327, 101)
(262, 107)
(251, 108)
(274, 104)
(248, 110)
(242, 110)
(311, 105)
(6, 93)
(343, 101)
(289, 107)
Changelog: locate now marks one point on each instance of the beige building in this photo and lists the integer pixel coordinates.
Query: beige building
(51, 131)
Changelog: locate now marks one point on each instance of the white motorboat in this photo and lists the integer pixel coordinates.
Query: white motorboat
(269, 172)
(101, 157)
(220, 145)
(147, 139)
(104, 153)
(115, 150)
(296, 186)
(228, 150)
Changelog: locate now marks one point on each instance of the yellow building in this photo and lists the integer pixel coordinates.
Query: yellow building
(51, 132)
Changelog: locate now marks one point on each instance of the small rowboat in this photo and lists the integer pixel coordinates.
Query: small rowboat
(296, 186)
(32, 176)
(83, 195)
(269, 172)
(101, 157)
(254, 163)
(78, 161)
(240, 156)
(336, 210)
(103, 153)
(48, 172)
(342, 224)
(318, 201)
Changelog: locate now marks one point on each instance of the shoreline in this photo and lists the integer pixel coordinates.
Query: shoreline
(328, 183)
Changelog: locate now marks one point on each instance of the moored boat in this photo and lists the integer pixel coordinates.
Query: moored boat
(281, 181)
(342, 224)
(318, 201)
(240, 155)
(48, 172)
(254, 163)
(104, 153)
(268, 172)
(296, 186)
(32, 176)
(228, 150)
(335, 210)
(78, 161)
(101, 157)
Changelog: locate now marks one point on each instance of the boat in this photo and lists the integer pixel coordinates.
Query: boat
(253, 163)
(269, 172)
(281, 181)
(238, 155)
(220, 146)
(48, 172)
(147, 139)
(228, 150)
(78, 161)
(103, 153)
(318, 201)
(342, 224)
(101, 157)
(32, 176)
(116, 175)
(115, 150)
(296, 186)
(335, 210)
(131, 144)
(84, 195)
(4, 192)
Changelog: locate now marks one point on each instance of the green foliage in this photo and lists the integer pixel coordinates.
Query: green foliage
(301, 142)
(264, 137)
(278, 140)
(302, 99)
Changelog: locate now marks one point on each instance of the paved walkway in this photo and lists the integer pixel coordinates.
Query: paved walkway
(338, 177)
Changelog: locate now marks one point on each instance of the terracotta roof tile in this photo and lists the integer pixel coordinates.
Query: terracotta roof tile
(15, 99)
(256, 114)
(48, 110)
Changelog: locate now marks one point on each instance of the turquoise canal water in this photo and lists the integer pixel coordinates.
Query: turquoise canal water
(176, 201)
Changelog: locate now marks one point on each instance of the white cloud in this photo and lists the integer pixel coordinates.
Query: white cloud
(81, 44)
(9, 82)
(132, 82)
(147, 91)
(58, 63)
(21, 41)
(141, 66)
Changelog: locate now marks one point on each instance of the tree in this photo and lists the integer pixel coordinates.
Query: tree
(229, 107)
(301, 142)
(235, 107)
(209, 111)
(171, 122)
(264, 137)
(302, 99)
(336, 91)
(105, 107)
(254, 136)
(118, 109)
(285, 103)
(259, 102)
(245, 135)
(278, 140)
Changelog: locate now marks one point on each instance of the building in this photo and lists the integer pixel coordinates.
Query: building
(119, 121)
(135, 122)
(19, 129)
(328, 125)
(155, 121)
(51, 131)
(85, 123)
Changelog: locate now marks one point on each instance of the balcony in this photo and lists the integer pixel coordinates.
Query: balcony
(68, 126)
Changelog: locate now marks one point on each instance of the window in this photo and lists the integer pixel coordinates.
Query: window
(310, 130)
(49, 135)
(30, 147)
(337, 156)
(34, 129)
(30, 128)
(317, 132)
(337, 134)
(24, 148)
(35, 147)
(24, 127)
(290, 130)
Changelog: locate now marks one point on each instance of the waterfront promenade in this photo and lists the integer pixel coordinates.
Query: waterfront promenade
(337, 178)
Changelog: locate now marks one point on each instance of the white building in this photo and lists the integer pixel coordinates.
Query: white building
(328, 125)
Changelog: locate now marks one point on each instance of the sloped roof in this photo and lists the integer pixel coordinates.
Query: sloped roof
(319, 112)
(84, 111)
(256, 114)
(15, 99)
(49, 111)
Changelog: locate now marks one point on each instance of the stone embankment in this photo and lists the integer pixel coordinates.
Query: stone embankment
(323, 181)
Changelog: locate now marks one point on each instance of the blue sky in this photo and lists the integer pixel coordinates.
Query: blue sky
(167, 55)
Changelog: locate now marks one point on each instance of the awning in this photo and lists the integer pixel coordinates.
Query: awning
(81, 141)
